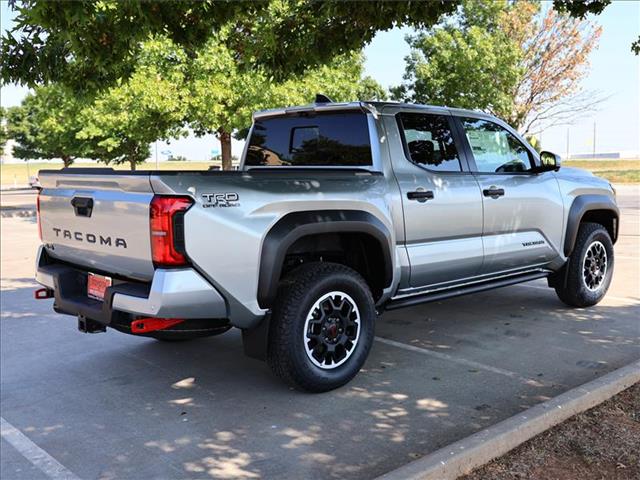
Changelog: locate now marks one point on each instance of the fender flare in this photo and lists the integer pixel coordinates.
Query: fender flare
(581, 205)
(296, 225)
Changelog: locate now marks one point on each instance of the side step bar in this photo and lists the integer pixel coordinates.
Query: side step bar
(457, 291)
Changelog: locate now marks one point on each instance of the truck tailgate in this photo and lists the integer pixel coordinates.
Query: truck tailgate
(98, 220)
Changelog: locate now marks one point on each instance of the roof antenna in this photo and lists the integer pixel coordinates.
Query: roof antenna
(321, 98)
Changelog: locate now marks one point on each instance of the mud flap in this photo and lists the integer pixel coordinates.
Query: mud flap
(255, 340)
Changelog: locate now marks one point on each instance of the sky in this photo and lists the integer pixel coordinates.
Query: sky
(614, 73)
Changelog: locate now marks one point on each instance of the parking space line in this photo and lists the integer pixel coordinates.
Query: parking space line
(612, 297)
(460, 361)
(32, 452)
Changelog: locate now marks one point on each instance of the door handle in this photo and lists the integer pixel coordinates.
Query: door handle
(493, 192)
(420, 195)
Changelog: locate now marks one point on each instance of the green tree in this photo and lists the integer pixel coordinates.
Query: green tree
(223, 96)
(122, 121)
(45, 125)
(91, 44)
(370, 89)
(509, 59)
(3, 129)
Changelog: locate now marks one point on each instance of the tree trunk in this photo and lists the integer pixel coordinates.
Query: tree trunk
(225, 146)
(67, 160)
(132, 163)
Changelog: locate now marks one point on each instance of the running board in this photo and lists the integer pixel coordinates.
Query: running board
(457, 291)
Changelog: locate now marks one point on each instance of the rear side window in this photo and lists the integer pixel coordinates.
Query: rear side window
(429, 141)
(328, 139)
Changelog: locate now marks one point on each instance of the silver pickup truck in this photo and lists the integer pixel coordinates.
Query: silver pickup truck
(338, 212)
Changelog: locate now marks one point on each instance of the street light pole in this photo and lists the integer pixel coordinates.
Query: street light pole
(157, 166)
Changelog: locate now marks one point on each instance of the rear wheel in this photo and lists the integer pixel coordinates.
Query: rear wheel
(588, 271)
(322, 327)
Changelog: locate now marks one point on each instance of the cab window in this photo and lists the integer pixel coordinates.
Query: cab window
(495, 150)
(429, 141)
(338, 139)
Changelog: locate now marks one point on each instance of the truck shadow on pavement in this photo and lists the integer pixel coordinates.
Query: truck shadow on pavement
(113, 405)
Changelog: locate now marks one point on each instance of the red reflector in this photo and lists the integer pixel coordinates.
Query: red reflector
(161, 220)
(146, 325)
(38, 220)
(42, 293)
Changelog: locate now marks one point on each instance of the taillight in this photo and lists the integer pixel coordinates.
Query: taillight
(38, 220)
(167, 234)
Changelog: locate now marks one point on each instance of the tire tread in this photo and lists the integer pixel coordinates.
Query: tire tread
(291, 293)
(573, 293)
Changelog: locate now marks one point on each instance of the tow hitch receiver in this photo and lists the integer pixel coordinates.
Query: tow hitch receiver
(87, 325)
(43, 293)
(146, 325)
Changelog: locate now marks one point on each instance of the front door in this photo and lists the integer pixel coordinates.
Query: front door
(523, 210)
(440, 198)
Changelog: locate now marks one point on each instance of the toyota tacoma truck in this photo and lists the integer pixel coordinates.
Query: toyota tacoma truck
(337, 212)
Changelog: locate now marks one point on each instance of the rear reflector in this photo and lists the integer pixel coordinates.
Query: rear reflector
(165, 236)
(146, 325)
(42, 293)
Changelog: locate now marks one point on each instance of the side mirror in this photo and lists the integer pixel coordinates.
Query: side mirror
(549, 162)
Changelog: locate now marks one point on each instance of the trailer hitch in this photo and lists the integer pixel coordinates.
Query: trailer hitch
(86, 325)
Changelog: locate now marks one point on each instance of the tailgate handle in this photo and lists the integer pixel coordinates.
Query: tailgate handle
(82, 206)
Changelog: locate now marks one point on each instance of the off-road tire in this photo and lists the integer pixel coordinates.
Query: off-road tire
(571, 287)
(298, 293)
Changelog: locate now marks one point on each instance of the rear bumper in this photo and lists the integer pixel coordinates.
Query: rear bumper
(173, 293)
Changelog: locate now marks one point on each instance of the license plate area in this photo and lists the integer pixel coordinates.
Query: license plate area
(97, 286)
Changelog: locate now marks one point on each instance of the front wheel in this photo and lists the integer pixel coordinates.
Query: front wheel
(322, 327)
(589, 269)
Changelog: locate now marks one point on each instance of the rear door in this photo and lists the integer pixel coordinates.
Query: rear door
(98, 221)
(440, 198)
(523, 210)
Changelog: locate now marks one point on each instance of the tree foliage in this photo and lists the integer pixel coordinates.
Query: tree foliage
(45, 125)
(169, 92)
(95, 43)
(580, 9)
(91, 44)
(510, 59)
(3, 129)
(121, 122)
(222, 96)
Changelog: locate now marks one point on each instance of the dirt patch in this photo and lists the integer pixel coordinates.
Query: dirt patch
(601, 443)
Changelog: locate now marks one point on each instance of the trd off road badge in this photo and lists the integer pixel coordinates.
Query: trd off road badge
(229, 199)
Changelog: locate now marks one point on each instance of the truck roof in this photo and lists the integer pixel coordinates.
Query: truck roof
(373, 106)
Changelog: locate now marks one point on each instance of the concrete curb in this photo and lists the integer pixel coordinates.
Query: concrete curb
(480, 448)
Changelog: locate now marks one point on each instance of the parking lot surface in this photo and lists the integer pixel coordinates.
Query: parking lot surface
(116, 406)
(24, 199)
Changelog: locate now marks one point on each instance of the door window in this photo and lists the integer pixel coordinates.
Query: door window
(495, 150)
(429, 141)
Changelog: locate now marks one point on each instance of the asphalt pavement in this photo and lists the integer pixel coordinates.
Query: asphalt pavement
(116, 406)
(18, 202)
